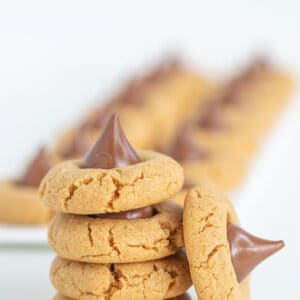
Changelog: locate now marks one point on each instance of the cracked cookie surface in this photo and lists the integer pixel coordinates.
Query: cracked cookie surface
(161, 279)
(100, 240)
(21, 205)
(68, 188)
(206, 214)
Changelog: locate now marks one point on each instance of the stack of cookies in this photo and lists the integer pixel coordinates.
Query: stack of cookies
(115, 234)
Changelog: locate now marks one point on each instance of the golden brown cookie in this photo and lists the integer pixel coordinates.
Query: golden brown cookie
(205, 218)
(71, 189)
(226, 170)
(200, 164)
(242, 141)
(21, 204)
(103, 240)
(160, 279)
(221, 255)
(265, 98)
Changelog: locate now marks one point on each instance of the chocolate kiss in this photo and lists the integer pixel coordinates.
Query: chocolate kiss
(233, 94)
(211, 119)
(112, 148)
(133, 93)
(184, 147)
(139, 213)
(37, 169)
(259, 65)
(247, 251)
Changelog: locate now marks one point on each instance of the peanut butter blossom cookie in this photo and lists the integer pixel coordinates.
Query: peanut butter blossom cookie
(221, 254)
(114, 236)
(19, 198)
(133, 236)
(111, 178)
(201, 164)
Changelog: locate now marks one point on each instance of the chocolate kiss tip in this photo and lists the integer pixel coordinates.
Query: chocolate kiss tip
(247, 251)
(112, 149)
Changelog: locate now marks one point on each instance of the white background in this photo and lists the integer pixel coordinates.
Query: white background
(59, 57)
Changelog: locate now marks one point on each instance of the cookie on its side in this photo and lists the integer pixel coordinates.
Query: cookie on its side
(221, 255)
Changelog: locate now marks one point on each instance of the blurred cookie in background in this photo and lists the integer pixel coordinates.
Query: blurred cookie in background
(19, 198)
